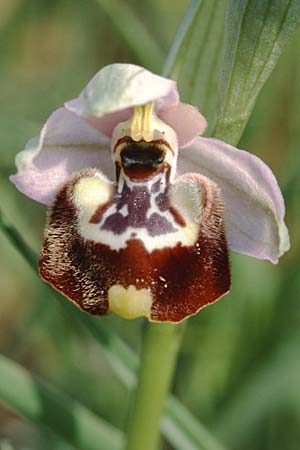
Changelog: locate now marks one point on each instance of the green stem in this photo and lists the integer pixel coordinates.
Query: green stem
(158, 361)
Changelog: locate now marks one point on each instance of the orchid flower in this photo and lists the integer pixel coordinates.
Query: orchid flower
(143, 209)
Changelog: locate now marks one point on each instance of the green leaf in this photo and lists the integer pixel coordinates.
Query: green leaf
(256, 33)
(273, 384)
(195, 436)
(178, 424)
(196, 55)
(132, 30)
(5, 445)
(16, 239)
(47, 406)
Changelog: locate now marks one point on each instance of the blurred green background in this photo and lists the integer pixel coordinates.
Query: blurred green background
(239, 368)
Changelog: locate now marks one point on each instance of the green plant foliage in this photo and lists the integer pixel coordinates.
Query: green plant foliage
(48, 407)
(129, 27)
(275, 381)
(196, 56)
(17, 240)
(257, 31)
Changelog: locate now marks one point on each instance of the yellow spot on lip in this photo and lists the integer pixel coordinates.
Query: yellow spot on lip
(129, 303)
(90, 192)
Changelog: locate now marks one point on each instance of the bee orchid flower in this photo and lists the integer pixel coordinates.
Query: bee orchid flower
(142, 209)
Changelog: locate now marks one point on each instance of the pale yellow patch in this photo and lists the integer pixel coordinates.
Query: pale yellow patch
(90, 193)
(143, 122)
(191, 233)
(136, 123)
(129, 303)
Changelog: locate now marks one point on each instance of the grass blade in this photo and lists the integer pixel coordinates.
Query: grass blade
(257, 31)
(177, 417)
(18, 242)
(274, 383)
(196, 55)
(48, 407)
(132, 30)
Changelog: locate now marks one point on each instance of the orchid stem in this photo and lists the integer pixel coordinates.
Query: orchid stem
(158, 361)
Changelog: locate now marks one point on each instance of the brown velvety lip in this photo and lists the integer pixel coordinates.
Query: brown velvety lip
(182, 279)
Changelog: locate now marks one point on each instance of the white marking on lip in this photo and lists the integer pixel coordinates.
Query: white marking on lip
(111, 210)
(124, 211)
(186, 236)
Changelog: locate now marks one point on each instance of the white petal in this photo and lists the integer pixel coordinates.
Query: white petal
(66, 144)
(110, 96)
(254, 207)
(121, 86)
